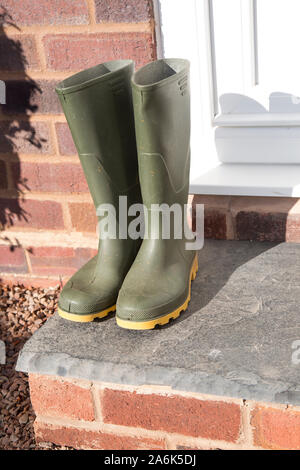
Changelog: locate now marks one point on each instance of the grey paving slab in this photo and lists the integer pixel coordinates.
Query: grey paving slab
(240, 336)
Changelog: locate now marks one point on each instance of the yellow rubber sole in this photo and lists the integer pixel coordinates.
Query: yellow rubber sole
(85, 318)
(149, 325)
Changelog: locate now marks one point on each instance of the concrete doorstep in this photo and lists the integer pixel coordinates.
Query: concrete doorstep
(225, 375)
(240, 336)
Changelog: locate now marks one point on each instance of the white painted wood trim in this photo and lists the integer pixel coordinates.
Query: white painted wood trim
(258, 120)
(249, 180)
(185, 29)
(158, 29)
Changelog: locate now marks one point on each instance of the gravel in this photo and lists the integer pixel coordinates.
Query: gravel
(22, 312)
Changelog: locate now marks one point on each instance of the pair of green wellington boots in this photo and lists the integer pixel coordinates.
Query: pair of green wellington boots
(132, 133)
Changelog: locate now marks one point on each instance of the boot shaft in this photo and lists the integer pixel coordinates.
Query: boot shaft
(98, 106)
(161, 97)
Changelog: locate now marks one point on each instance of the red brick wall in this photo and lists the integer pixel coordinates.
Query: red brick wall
(263, 219)
(86, 415)
(46, 214)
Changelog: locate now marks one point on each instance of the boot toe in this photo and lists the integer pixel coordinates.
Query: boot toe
(153, 297)
(79, 302)
(143, 308)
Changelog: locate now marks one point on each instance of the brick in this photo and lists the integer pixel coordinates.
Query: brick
(65, 140)
(52, 260)
(3, 175)
(276, 429)
(83, 255)
(123, 11)
(216, 212)
(215, 224)
(18, 53)
(83, 217)
(31, 213)
(53, 252)
(12, 259)
(46, 12)
(57, 398)
(260, 227)
(54, 271)
(79, 438)
(261, 218)
(79, 51)
(59, 260)
(29, 280)
(49, 177)
(173, 414)
(292, 232)
(30, 96)
(293, 222)
(25, 137)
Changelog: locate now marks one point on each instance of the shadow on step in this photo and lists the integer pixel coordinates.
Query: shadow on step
(218, 261)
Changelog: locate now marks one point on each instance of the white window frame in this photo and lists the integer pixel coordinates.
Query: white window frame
(260, 170)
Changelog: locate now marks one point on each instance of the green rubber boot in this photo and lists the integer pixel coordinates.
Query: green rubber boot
(158, 286)
(98, 106)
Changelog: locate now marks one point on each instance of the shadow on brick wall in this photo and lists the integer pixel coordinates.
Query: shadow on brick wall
(16, 131)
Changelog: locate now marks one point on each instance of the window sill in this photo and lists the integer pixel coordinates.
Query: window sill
(241, 179)
(257, 120)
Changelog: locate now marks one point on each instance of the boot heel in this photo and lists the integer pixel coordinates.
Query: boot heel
(195, 268)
